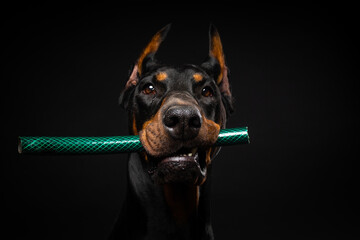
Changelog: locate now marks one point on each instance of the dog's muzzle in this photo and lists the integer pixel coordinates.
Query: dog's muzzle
(178, 141)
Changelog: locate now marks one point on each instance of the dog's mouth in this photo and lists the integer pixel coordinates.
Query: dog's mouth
(184, 166)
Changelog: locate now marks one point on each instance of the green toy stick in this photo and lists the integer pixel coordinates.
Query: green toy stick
(114, 144)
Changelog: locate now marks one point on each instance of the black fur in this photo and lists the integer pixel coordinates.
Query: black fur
(145, 213)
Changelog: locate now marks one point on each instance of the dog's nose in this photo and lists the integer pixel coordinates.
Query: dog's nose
(182, 122)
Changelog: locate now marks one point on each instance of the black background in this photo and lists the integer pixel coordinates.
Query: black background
(292, 74)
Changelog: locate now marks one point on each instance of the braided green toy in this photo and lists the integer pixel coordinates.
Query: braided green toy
(114, 144)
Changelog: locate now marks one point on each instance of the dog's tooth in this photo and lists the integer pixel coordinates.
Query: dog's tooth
(189, 154)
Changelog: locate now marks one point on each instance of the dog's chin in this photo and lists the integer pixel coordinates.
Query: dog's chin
(184, 166)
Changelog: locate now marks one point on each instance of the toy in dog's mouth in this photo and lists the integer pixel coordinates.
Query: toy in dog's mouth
(184, 166)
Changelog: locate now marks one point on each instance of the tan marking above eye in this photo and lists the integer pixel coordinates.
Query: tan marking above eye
(161, 76)
(197, 77)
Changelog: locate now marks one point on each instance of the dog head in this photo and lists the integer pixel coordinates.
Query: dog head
(178, 111)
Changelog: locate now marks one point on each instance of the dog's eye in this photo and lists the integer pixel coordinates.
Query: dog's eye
(149, 89)
(207, 92)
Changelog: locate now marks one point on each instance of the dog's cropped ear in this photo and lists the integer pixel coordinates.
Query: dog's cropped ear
(146, 59)
(215, 66)
(144, 63)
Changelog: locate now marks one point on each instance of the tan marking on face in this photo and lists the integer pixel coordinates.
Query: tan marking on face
(161, 76)
(197, 77)
(209, 131)
(208, 156)
(145, 156)
(153, 135)
(134, 128)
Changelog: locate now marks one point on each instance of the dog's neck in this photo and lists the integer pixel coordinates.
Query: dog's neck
(182, 201)
(172, 211)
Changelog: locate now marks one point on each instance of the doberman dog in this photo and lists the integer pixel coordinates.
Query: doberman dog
(178, 112)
